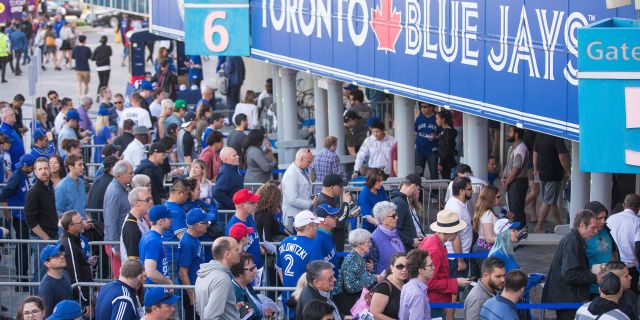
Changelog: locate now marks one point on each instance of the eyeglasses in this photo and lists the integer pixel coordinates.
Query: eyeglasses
(58, 256)
(253, 267)
(469, 189)
(399, 266)
(31, 313)
(147, 199)
(393, 216)
(117, 102)
(429, 265)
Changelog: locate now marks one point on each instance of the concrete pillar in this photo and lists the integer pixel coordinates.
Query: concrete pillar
(465, 133)
(334, 113)
(289, 113)
(277, 98)
(579, 183)
(404, 121)
(476, 147)
(321, 115)
(601, 184)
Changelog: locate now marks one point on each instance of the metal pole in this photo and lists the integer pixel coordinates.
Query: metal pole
(321, 115)
(476, 149)
(405, 137)
(334, 114)
(579, 183)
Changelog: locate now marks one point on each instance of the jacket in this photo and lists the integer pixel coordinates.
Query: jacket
(96, 193)
(296, 192)
(474, 301)
(441, 285)
(116, 207)
(227, 184)
(17, 148)
(569, 278)
(18, 40)
(167, 81)
(117, 301)
(40, 209)
(154, 172)
(102, 56)
(308, 294)
(78, 268)
(15, 192)
(124, 139)
(404, 224)
(259, 166)
(212, 161)
(447, 147)
(234, 70)
(5, 45)
(215, 298)
(600, 308)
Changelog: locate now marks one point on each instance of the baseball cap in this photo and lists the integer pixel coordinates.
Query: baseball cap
(103, 111)
(27, 160)
(180, 104)
(172, 128)
(157, 147)
(146, 85)
(304, 218)
(49, 252)
(325, 210)
(109, 162)
(239, 230)
(142, 130)
(110, 149)
(504, 224)
(158, 212)
(333, 179)
(189, 116)
(351, 115)
(66, 310)
(413, 178)
(350, 87)
(244, 195)
(72, 115)
(39, 133)
(157, 295)
(197, 215)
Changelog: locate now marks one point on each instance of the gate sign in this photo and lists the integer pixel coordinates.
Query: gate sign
(217, 27)
(609, 91)
(508, 60)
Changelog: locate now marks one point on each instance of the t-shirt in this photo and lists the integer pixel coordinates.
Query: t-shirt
(139, 116)
(324, 241)
(487, 217)
(190, 255)
(549, 165)
(625, 230)
(155, 108)
(599, 250)
(81, 54)
(425, 128)
(235, 140)
(187, 143)
(518, 157)
(205, 134)
(151, 248)
(253, 247)
(178, 221)
(366, 201)
(53, 290)
(466, 234)
(393, 305)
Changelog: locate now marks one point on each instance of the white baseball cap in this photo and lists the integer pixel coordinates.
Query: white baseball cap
(304, 218)
(504, 224)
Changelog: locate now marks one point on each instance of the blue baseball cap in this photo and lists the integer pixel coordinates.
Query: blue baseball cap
(158, 212)
(27, 160)
(158, 295)
(197, 215)
(66, 310)
(39, 133)
(49, 252)
(103, 111)
(72, 115)
(146, 85)
(325, 210)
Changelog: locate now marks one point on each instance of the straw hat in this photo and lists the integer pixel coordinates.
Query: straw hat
(448, 222)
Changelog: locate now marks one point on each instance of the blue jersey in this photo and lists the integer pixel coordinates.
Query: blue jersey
(366, 201)
(253, 247)
(178, 221)
(324, 242)
(44, 152)
(294, 253)
(425, 128)
(205, 134)
(151, 248)
(190, 255)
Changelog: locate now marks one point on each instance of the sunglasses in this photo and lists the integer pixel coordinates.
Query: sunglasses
(117, 102)
(394, 216)
(399, 266)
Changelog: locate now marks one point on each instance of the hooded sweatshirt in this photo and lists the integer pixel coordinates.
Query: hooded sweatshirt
(600, 308)
(154, 173)
(215, 298)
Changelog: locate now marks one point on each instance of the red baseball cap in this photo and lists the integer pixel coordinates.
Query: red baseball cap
(244, 195)
(239, 230)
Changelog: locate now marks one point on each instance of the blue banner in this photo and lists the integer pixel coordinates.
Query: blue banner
(217, 27)
(609, 94)
(512, 61)
(167, 18)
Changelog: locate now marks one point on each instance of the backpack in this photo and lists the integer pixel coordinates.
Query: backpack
(50, 41)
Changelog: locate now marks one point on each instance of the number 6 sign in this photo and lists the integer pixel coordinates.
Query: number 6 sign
(207, 24)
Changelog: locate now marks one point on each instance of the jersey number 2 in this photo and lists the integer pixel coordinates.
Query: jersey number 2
(287, 271)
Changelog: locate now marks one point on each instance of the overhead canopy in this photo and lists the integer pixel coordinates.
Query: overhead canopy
(144, 35)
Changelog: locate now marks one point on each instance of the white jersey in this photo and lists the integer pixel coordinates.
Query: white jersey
(139, 116)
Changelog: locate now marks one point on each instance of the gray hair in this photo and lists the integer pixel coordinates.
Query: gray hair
(121, 167)
(358, 237)
(382, 210)
(134, 195)
(583, 216)
(315, 268)
(140, 180)
(632, 201)
(204, 88)
(131, 269)
(167, 103)
(5, 112)
(302, 152)
(86, 100)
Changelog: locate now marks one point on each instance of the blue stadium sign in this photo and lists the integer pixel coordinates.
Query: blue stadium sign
(498, 59)
(217, 27)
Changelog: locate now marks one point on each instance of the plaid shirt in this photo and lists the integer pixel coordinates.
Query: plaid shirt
(326, 162)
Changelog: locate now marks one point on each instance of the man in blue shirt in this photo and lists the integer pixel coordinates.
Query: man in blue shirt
(191, 255)
(323, 239)
(15, 193)
(55, 286)
(43, 145)
(118, 299)
(503, 306)
(159, 304)
(153, 254)
(296, 252)
(178, 195)
(70, 192)
(16, 150)
(245, 202)
(19, 43)
(426, 146)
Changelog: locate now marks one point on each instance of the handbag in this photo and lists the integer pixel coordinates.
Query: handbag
(364, 302)
(118, 37)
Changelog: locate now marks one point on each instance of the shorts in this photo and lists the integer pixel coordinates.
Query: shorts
(66, 45)
(83, 76)
(550, 192)
(50, 49)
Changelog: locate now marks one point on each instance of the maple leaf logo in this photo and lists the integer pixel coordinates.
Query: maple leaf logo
(386, 25)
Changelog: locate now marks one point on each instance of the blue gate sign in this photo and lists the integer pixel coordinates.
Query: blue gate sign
(508, 60)
(609, 96)
(218, 27)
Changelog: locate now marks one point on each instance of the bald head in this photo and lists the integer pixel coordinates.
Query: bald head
(303, 158)
(229, 155)
(226, 251)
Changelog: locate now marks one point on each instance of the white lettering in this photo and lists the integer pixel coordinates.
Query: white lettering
(469, 11)
(291, 15)
(264, 13)
(430, 50)
(413, 35)
(499, 61)
(358, 38)
(324, 16)
(523, 48)
(278, 23)
(340, 19)
(307, 29)
(448, 53)
(574, 21)
(598, 52)
(549, 38)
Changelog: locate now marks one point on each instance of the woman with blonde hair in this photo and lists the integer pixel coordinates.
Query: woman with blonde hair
(103, 134)
(198, 172)
(248, 107)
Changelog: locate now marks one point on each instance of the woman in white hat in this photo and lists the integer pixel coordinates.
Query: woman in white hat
(506, 234)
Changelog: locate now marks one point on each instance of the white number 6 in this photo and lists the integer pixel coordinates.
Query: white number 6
(211, 29)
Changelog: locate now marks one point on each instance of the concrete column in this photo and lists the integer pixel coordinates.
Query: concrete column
(289, 113)
(320, 101)
(601, 184)
(579, 183)
(404, 121)
(476, 148)
(334, 113)
(465, 133)
(277, 98)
